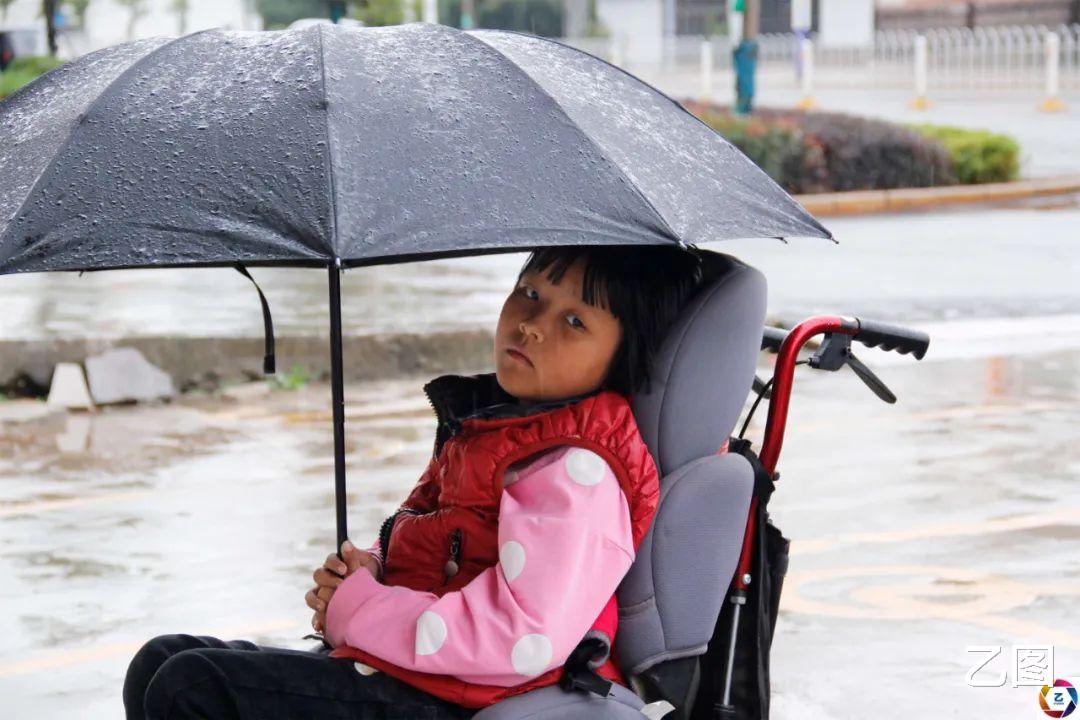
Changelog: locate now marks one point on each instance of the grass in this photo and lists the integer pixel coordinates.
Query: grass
(24, 70)
(294, 378)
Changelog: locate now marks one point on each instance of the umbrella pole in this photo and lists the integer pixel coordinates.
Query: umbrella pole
(337, 387)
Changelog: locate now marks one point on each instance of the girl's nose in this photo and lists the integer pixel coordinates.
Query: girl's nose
(527, 328)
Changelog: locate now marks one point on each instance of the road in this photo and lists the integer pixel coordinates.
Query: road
(946, 521)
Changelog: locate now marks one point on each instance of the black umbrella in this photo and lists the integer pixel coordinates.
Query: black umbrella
(334, 147)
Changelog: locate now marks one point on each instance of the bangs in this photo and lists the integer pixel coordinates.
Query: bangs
(596, 284)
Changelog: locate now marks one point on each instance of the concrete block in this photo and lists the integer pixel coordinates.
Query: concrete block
(76, 435)
(123, 374)
(68, 389)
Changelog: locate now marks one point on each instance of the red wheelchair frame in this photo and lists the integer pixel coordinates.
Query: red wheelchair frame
(833, 354)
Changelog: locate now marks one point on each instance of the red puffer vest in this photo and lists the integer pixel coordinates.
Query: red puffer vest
(447, 530)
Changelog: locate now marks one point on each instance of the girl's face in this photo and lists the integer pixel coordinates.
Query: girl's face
(549, 343)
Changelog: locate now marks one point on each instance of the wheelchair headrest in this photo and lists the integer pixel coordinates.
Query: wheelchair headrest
(705, 367)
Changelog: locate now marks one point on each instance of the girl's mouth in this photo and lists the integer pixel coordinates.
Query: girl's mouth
(519, 356)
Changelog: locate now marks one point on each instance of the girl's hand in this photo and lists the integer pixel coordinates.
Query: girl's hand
(331, 574)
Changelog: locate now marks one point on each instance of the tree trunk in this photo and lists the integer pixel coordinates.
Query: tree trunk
(575, 18)
(49, 8)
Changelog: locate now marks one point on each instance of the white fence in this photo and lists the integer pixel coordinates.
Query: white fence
(958, 59)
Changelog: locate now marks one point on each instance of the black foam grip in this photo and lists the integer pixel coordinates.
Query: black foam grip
(892, 337)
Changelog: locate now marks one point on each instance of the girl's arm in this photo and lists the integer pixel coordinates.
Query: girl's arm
(564, 545)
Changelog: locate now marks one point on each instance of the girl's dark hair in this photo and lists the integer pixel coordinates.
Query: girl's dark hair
(644, 287)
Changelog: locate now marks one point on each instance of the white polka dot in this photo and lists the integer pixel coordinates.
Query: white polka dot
(585, 467)
(430, 633)
(531, 655)
(364, 669)
(512, 559)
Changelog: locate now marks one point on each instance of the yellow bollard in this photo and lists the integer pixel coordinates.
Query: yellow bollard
(806, 53)
(921, 58)
(1052, 103)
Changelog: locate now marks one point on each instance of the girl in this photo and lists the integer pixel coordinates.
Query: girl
(497, 575)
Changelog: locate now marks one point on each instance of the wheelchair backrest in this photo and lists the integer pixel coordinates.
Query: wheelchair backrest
(670, 599)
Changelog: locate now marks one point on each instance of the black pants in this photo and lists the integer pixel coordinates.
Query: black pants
(183, 676)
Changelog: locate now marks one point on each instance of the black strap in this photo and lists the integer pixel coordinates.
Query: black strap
(577, 675)
(764, 485)
(269, 365)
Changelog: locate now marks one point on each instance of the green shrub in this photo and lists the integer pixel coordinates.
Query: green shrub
(807, 152)
(978, 156)
(783, 151)
(868, 154)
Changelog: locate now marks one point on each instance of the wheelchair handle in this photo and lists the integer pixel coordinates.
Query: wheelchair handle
(873, 333)
(868, 332)
(772, 338)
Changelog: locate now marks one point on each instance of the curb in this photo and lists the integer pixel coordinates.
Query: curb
(862, 202)
(208, 362)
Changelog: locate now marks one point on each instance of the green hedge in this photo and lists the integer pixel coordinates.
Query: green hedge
(23, 70)
(867, 154)
(782, 150)
(978, 156)
(824, 152)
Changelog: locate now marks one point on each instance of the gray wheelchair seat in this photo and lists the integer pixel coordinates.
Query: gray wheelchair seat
(670, 600)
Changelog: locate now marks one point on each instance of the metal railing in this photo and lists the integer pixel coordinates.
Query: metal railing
(985, 59)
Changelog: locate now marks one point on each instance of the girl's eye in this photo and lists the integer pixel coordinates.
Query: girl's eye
(575, 321)
(529, 292)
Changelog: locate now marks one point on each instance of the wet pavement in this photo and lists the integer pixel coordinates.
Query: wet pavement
(949, 520)
(946, 521)
(1000, 261)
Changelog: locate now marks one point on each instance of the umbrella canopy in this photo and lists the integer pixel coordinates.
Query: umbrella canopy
(360, 145)
(335, 147)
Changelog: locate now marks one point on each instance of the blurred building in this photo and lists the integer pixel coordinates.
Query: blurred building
(108, 22)
(705, 17)
(915, 14)
(709, 17)
(643, 26)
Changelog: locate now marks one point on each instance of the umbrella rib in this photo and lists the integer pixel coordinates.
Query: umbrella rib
(86, 113)
(662, 221)
(329, 148)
